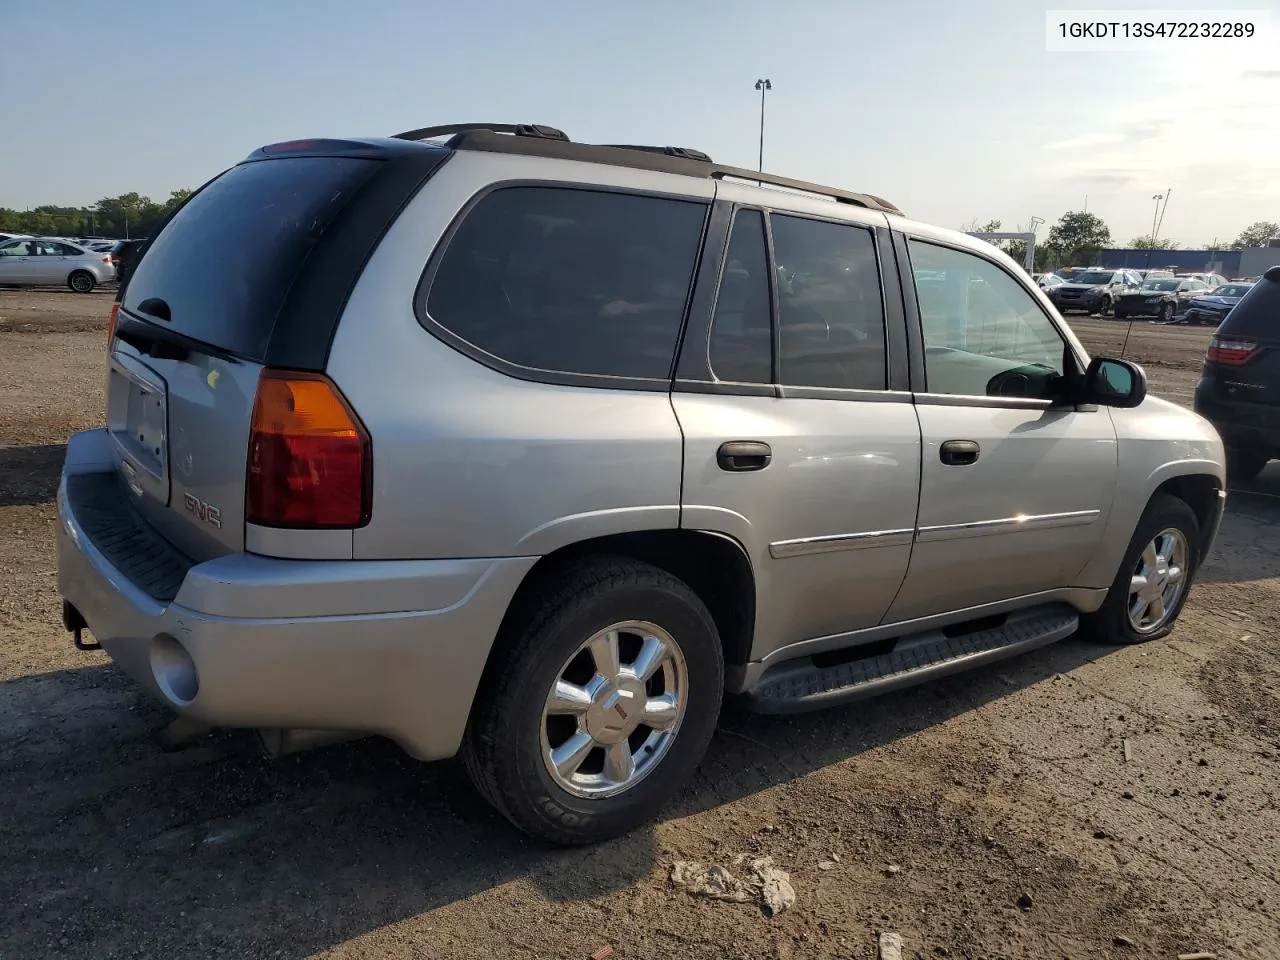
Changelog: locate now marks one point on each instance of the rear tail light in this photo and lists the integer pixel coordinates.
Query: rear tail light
(310, 459)
(106, 259)
(1230, 351)
(112, 319)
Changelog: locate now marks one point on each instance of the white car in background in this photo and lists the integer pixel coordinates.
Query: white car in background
(40, 261)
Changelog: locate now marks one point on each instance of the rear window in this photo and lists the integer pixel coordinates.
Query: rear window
(570, 280)
(1257, 313)
(227, 259)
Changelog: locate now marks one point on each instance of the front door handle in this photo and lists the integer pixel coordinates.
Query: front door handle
(959, 453)
(740, 456)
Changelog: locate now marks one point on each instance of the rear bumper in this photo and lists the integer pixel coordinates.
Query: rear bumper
(1253, 427)
(394, 648)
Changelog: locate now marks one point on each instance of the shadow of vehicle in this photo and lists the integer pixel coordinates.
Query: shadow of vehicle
(111, 843)
(29, 475)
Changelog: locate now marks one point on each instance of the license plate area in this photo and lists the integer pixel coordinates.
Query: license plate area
(138, 419)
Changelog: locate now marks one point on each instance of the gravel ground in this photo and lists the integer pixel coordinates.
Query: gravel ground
(992, 815)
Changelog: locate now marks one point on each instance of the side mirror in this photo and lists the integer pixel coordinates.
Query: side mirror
(1114, 383)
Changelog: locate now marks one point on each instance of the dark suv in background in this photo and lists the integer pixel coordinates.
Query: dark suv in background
(1239, 390)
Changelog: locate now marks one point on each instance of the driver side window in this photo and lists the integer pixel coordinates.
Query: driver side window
(984, 334)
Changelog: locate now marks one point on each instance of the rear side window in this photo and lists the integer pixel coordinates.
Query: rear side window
(570, 280)
(1257, 313)
(227, 259)
(830, 309)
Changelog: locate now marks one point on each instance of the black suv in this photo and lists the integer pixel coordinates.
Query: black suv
(1239, 390)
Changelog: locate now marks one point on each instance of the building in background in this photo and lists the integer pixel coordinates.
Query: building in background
(1225, 262)
(1250, 262)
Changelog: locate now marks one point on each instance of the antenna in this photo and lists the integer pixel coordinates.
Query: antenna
(1125, 346)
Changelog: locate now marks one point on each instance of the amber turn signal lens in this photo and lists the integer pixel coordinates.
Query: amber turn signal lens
(310, 460)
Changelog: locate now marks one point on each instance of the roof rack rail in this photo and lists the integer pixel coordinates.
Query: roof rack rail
(720, 172)
(687, 153)
(537, 130)
(540, 141)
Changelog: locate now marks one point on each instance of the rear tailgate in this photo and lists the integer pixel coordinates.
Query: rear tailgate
(194, 330)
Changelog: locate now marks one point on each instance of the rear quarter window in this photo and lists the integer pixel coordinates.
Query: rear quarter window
(569, 281)
(225, 262)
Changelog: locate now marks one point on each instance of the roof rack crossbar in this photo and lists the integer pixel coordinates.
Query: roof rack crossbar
(454, 129)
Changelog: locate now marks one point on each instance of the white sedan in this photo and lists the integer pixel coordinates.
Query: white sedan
(36, 261)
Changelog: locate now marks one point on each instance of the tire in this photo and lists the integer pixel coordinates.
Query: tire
(1111, 623)
(509, 739)
(1243, 465)
(1166, 312)
(1105, 308)
(82, 281)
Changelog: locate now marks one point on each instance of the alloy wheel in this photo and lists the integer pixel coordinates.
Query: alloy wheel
(1158, 581)
(614, 710)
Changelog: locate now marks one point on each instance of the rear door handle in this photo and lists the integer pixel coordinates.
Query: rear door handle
(959, 453)
(740, 456)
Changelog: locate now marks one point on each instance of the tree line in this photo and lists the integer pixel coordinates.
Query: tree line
(1078, 235)
(128, 215)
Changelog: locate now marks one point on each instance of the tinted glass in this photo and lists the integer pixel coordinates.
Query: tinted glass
(573, 281)
(17, 248)
(984, 334)
(1093, 278)
(225, 262)
(830, 310)
(1232, 290)
(741, 332)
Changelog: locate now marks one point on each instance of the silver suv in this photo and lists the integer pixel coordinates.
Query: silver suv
(532, 450)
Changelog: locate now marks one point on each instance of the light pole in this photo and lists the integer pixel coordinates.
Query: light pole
(1157, 198)
(764, 86)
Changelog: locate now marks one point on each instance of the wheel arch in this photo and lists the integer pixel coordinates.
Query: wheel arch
(1202, 492)
(714, 565)
(1198, 483)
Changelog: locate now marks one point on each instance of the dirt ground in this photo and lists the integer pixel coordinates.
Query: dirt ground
(993, 815)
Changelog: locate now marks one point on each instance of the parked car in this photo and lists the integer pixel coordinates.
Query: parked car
(39, 261)
(1159, 297)
(1145, 275)
(1047, 280)
(1212, 307)
(508, 465)
(1210, 280)
(1093, 291)
(125, 255)
(1239, 388)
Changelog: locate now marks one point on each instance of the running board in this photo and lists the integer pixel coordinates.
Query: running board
(800, 685)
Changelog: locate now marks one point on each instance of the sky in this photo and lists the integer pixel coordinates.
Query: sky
(955, 111)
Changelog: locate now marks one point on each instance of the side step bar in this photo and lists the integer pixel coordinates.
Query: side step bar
(801, 685)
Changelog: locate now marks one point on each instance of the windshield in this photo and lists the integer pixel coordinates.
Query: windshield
(1092, 278)
(1161, 285)
(1232, 290)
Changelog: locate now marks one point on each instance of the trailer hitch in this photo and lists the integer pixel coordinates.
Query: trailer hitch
(74, 622)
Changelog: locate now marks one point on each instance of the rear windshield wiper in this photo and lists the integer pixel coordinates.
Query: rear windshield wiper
(162, 343)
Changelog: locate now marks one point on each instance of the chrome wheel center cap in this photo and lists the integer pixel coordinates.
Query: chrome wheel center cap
(615, 711)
